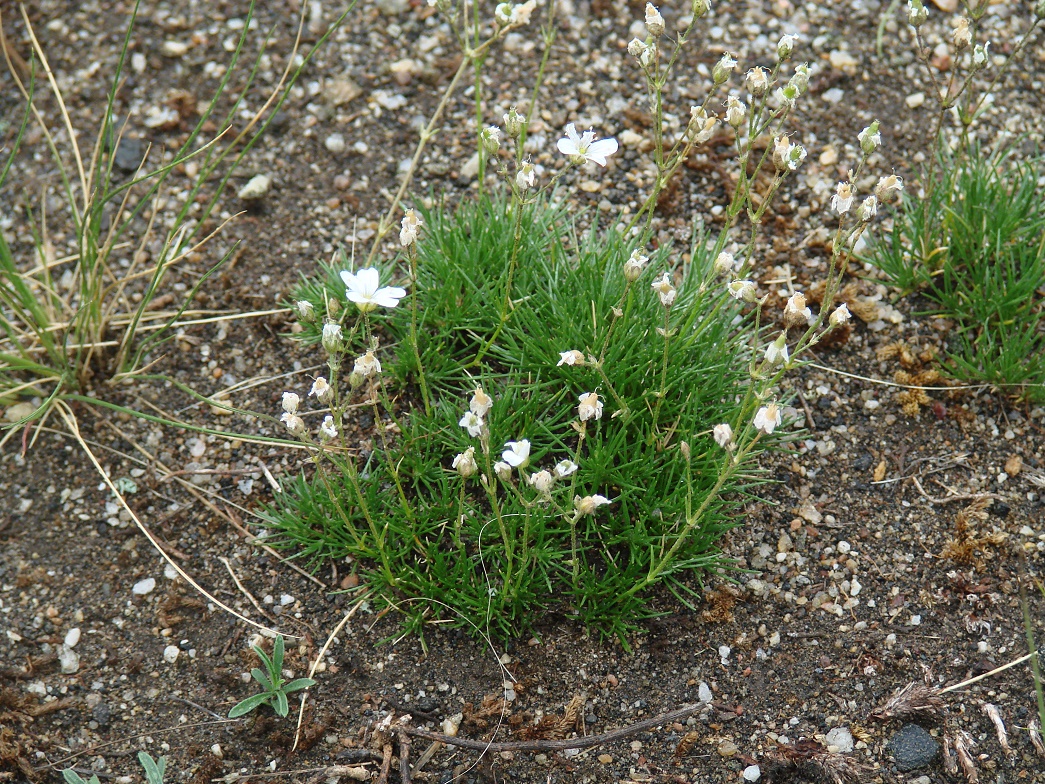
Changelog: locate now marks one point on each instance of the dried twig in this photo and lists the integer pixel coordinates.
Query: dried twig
(995, 671)
(999, 727)
(1034, 728)
(404, 758)
(912, 700)
(962, 744)
(557, 745)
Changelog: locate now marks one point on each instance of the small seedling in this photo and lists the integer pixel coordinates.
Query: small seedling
(271, 679)
(154, 769)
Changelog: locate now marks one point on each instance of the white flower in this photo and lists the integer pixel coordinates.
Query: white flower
(870, 138)
(842, 201)
(364, 289)
(979, 55)
(408, 232)
(332, 337)
(800, 80)
(869, 208)
(543, 481)
(654, 21)
(768, 418)
(305, 310)
(757, 81)
(777, 350)
(526, 176)
(742, 290)
(572, 357)
(585, 148)
(327, 430)
(636, 47)
(564, 468)
(736, 111)
(322, 390)
(294, 423)
(590, 407)
(503, 470)
(521, 14)
(724, 263)
(367, 365)
(588, 504)
(665, 290)
(840, 315)
(490, 136)
(290, 402)
(787, 155)
(514, 123)
(723, 68)
(786, 46)
(723, 436)
(472, 422)
(702, 125)
(516, 453)
(795, 311)
(962, 36)
(634, 265)
(480, 403)
(465, 464)
(887, 186)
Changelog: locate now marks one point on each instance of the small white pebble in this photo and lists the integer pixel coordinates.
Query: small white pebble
(170, 654)
(335, 142)
(256, 187)
(844, 547)
(704, 692)
(752, 773)
(914, 100)
(72, 637)
(916, 620)
(143, 587)
(216, 751)
(724, 651)
(286, 599)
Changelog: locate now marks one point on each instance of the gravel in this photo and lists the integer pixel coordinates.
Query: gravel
(912, 748)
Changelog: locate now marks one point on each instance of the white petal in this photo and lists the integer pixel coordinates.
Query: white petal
(567, 146)
(368, 281)
(349, 278)
(389, 296)
(598, 151)
(571, 131)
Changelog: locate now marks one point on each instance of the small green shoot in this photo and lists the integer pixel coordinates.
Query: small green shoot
(271, 679)
(154, 769)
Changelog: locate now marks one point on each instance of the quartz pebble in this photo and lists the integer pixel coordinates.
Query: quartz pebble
(256, 187)
(72, 637)
(704, 692)
(143, 587)
(170, 654)
(69, 660)
(839, 740)
(752, 773)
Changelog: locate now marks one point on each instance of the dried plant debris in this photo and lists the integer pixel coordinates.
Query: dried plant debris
(962, 745)
(950, 763)
(966, 547)
(914, 699)
(552, 727)
(810, 759)
(914, 373)
(689, 740)
(994, 714)
(493, 706)
(1036, 739)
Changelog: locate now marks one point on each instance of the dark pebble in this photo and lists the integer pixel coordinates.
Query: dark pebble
(912, 747)
(998, 509)
(863, 462)
(101, 713)
(129, 153)
(427, 704)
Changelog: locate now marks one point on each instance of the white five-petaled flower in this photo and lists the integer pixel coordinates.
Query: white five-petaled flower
(465, 464)
(869, 208)
(795, 311)
(572, 357)
(736, 111)
(327, 430)
(516, 453)
(588, 504)
(634, 265)
(777, 350)
(367, 365)
(564, 468)
(665, 290)
(503, 470)
(323, 392)
(294, 423)
(584, 147)
(290, 402)
(472, 422)
(364, 288)
(768, 418)
(480, 403)
(723, 436)
(742, 290)
(590, 407)
(842, 201)
(410, 226)
(543, 481)
(840, 315)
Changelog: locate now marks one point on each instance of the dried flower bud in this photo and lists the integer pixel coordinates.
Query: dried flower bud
(736, 112)
(786, 46)
(634, 266)
(636, 47)
(723, 68)
(588, 504)
(869, 208)
(481, 403)
(795, 311)
(514, 123)
(465, 464)
(295, 424)
(542, 481)
(305, 310)
(757, 81)
(590, 407)
(840, 315)
(887, 187)
(787, 156)
(703, 126)
(870, 139)
(654, 21)
(962, 36)
(322, 390)
(332, 337)
(916, 13)
(291, 402)
(724, 263)
(490, 138)
(685, 450)
(367, 365)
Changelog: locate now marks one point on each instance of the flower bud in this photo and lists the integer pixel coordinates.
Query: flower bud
(723, 68)
(840, 315)
(503, 470)
(869, 208)
(962, 36)
(465, 464)
(654, 21)
(700, 7)
(327, 430)
(787, 156)
(543, 481)
(490, 138)
(526, 176)
(634, 265)
(786, 46)
(736, 112)
(367, 365)
(332, 337)
(979, 55)
(295, 424)
(502, 14)
(916, 13)
(724, 263)
(757, 81)
(870, 139)
(305, 310)
(514, 123)
(1039, 9)
(410, 226)
(723, 436)
(742, 290)
(887, 187)
(636, 47)
(776, 351)
(800, 79)
(291, 402)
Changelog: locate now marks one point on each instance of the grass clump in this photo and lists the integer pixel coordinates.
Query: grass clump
(975, 248)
